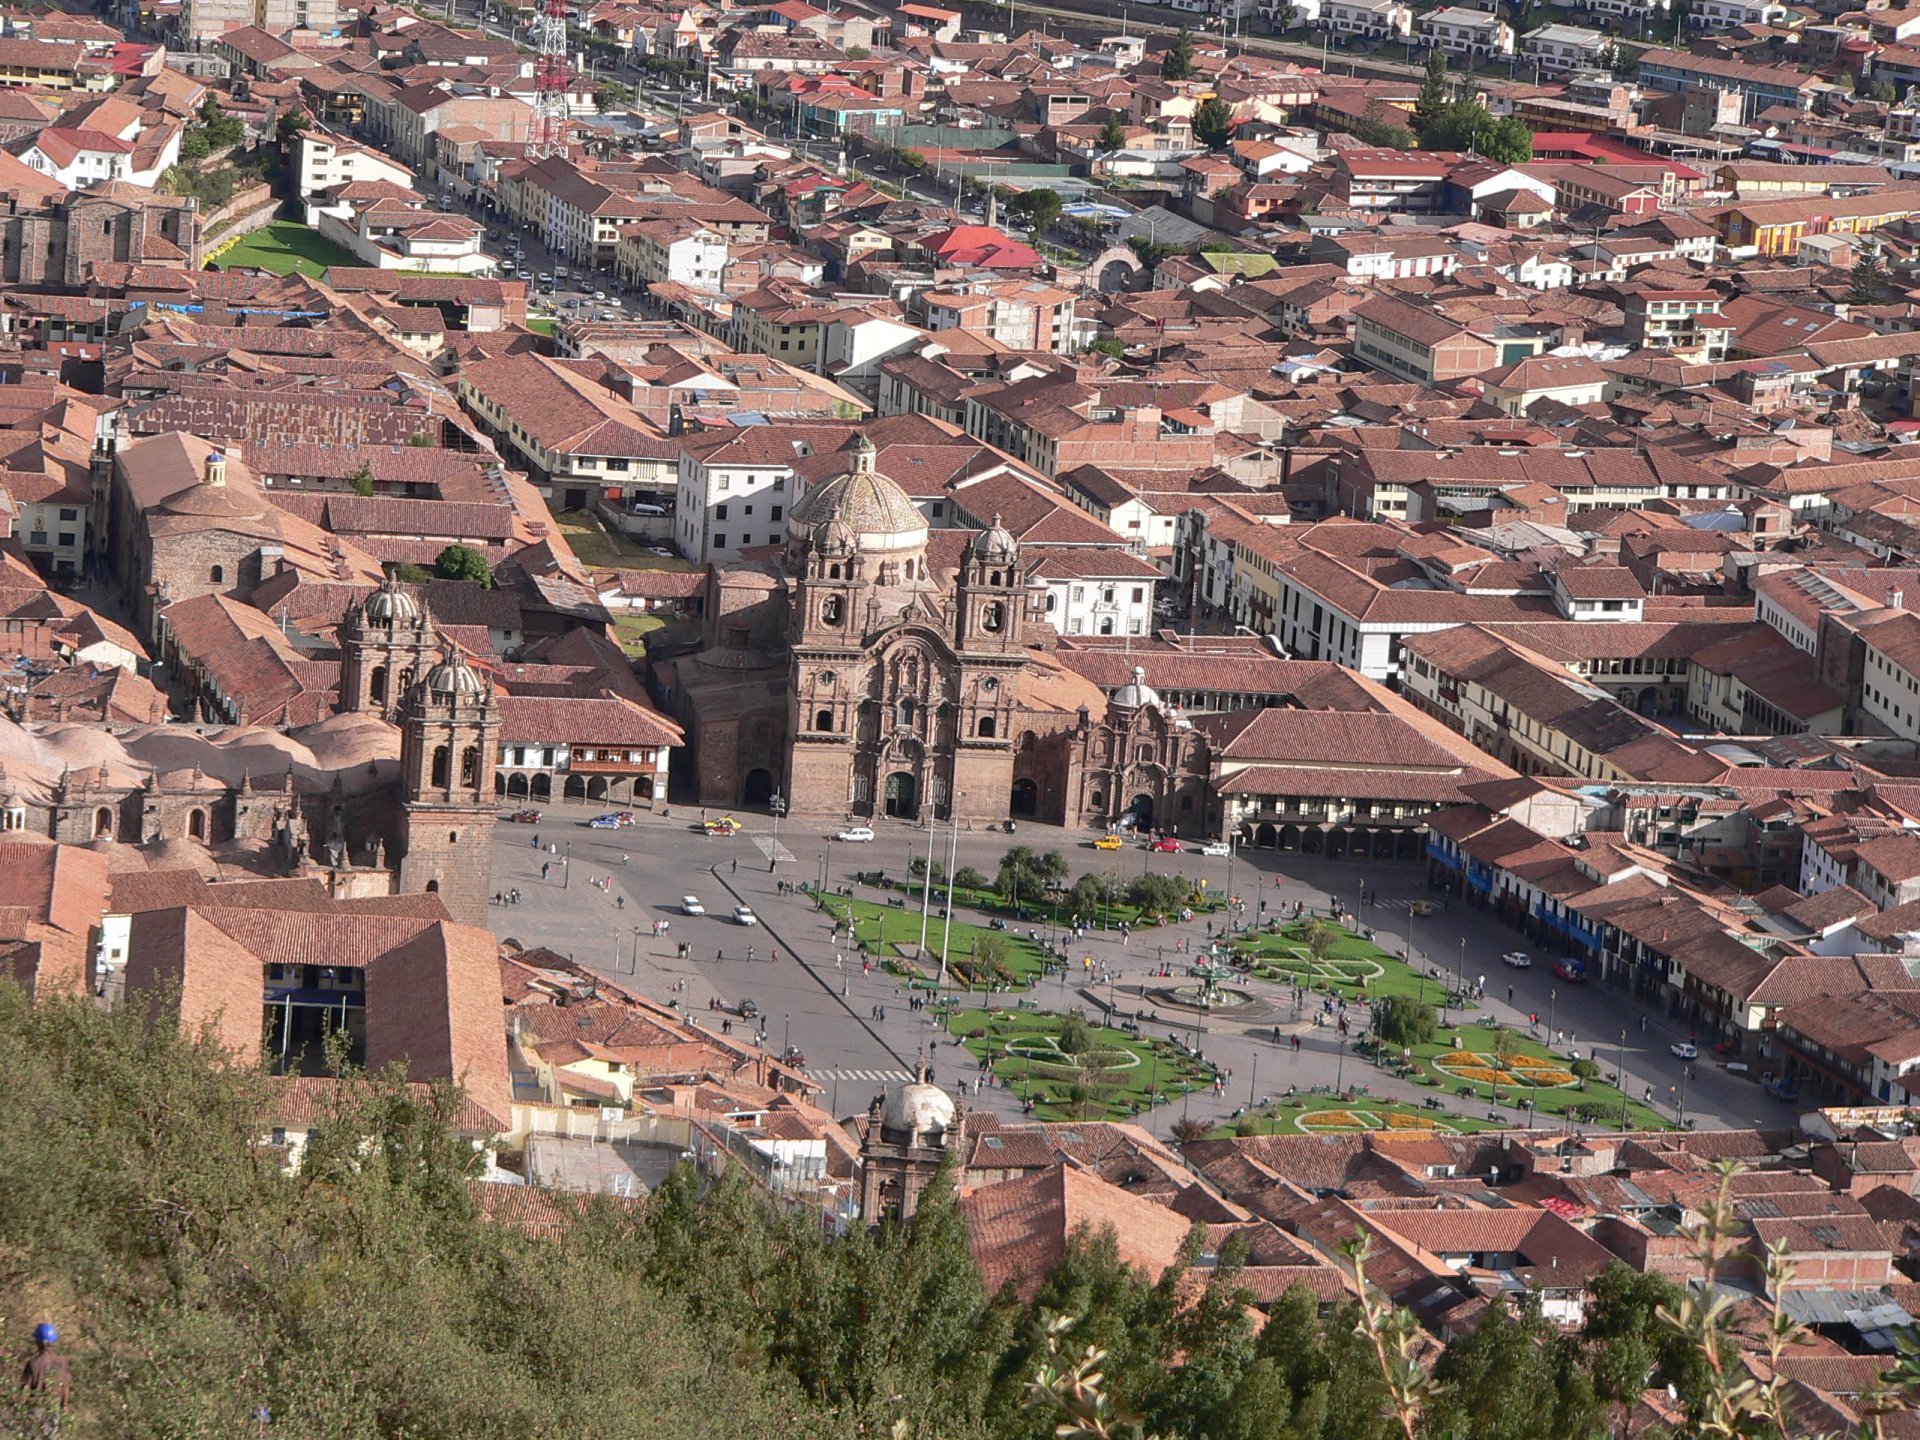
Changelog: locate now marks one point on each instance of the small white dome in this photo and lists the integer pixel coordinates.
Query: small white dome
(996, 544)
(453, 676)
(391, 605)
(1133, 695)
(918, 1108)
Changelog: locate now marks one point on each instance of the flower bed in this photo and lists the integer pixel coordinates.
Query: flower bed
(1418, 1123)
(1532, 1072)
(1318, 1121)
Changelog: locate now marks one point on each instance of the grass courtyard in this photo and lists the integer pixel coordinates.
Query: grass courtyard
(892, 934)
(632, 631)
(602, 549)
(283, 247)
(1073, 1069)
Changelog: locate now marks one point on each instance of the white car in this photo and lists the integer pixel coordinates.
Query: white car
(690, 905)
(1683, 1051)
(1216, 847)
(1518, 959)
(743, 915)
(859, 834)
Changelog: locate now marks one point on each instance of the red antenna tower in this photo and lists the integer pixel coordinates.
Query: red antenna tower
(551, 79)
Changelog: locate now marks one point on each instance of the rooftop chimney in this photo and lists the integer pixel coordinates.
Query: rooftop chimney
(1894, 598)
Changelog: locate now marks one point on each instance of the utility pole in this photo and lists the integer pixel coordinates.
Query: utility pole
(1620, 1065)
(926, 900)
(953, 854)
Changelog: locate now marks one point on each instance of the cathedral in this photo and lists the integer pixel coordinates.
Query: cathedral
(877, 667)
(394, 793)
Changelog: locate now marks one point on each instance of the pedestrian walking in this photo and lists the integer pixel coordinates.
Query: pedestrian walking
(46, 1380)
(545, 869)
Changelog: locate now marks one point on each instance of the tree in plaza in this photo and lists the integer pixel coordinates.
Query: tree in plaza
(1158, 894)
(991, 954)
(1402, 1021)
(968, 878)
(1436, 93)
(1213, 123)
(1321, 937)
(1028, 874)
(458, 562)
(1177, 63)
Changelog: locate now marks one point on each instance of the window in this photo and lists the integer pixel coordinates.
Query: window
(779, 511)
(1079, 593)
(719, 542)
(995, 616)
(69, 514)
(218, 575)
(749, 509)
(823, 720)
(903, 713)
(985, 728)
(719, 512)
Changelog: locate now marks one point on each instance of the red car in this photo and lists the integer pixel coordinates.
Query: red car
(1168, 844)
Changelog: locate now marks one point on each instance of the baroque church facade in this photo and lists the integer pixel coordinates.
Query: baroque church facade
(875, 667)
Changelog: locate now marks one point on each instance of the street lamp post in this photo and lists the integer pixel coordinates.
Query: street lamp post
(1340, 1065)
(1552, 996)
(1232, 835)
(778, 805)
(1460, 969)
(926, 892)
(1620, 1064)
(566, 868)
(953, 856)
(636, 951)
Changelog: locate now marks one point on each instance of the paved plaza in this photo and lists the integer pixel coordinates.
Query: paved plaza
(604, 890)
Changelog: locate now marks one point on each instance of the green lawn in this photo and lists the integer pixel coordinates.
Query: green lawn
(888, 932)
(1349, 1116)
(283, 247)
(632, 631)
(543, 324)
(602, 549)
(1113, 1076)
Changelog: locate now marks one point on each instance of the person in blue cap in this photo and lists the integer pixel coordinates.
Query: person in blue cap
(45, 1378)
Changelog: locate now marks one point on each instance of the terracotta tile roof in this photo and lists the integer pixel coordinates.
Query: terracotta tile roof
(1018, 1230)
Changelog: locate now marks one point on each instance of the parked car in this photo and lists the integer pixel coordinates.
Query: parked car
(743, 915)
(1107, 842)
(856, 834)
(748, 1009)
(1681, 1050)
(525, 817)
(1216, 848)
(1422, 907)
(725, 825)
(1571, 970)
(604, 822)
(690, 905)
(1167, 845)
(1518, 959)
(794, 1058)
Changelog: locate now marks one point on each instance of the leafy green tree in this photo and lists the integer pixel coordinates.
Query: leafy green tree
(458, 562)
(968, 878)
(1037, 208)
(1402, 1021)
(1627, 1345)
(1075, 1036)
(290, 126)
(1436, 93)
(911, 162)
(361, 480)
(1376, 126)
(1027, 874)
(1177, 63)
(1507, 141)
(1213, 123)
(990, 956)
(1113, 135)
(1512, 1378)
(1158, 894)
(1108, 346)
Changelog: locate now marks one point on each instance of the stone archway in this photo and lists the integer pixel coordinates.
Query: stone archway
(757, 788)
(900, 797)
(1115, 269)
(1265, 837)
(1142, 811)
(541, 787)
(575, 788)
(516, 785)
(1026, 798)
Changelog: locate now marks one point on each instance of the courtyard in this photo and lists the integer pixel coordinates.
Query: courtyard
(1072, 1069)
(283, 247)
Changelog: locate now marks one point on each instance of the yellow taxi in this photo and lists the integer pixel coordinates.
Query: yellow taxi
(725, 825)
(1108, 842)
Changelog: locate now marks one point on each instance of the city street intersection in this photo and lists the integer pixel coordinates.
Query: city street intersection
(604, 889)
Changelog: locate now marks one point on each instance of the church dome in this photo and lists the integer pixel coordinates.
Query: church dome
(390, 605)
(918, 1109)
(836, 537)
(872, 507)
(995, 545)
(1136, 692)
(453, 676)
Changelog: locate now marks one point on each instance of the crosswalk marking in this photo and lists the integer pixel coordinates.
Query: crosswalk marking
(892, 1076)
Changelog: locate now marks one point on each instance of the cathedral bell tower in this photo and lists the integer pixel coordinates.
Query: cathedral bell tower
(992, 595)
(386, 642)
(449, 738)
